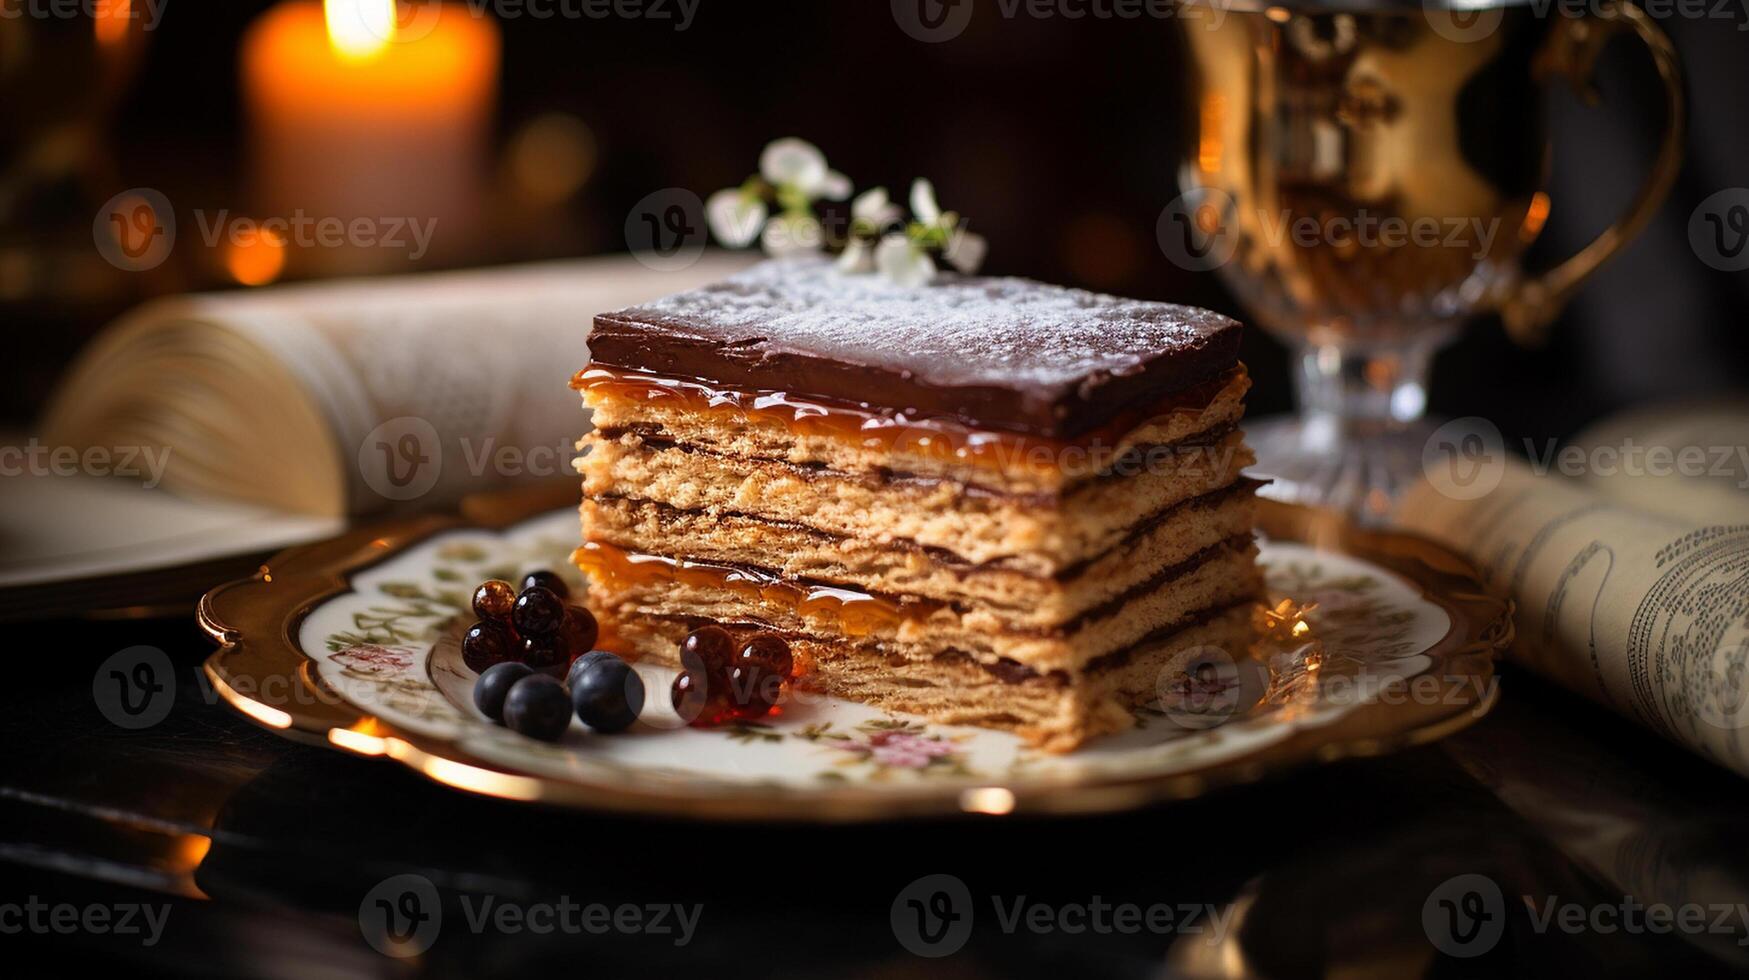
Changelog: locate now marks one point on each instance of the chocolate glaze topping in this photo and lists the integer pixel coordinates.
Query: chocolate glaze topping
(990, 353)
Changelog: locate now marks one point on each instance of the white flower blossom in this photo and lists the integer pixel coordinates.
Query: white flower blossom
(874, 207)
(792, 176)
(798, 164)
(836, 186)
(923, 206)
(962, 249)
(735, 217)
(904, 261)
(858, 257)
(965, 251)
(870, 214)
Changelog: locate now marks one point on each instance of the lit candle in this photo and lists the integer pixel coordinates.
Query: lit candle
(363, 120)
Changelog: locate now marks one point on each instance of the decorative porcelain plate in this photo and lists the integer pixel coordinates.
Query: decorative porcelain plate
(1369, 642)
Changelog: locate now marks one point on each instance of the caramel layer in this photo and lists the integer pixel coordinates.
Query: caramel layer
(886, 431)
(857, 613)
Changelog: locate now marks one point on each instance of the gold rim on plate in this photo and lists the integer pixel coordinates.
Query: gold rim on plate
(261, 671)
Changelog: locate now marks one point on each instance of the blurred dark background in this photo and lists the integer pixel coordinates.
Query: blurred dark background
(1057, 138)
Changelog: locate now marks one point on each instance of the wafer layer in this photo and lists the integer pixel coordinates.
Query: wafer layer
(1042, 533)
(1013, 591)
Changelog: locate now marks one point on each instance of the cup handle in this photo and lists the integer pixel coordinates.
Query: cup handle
(1572, 52)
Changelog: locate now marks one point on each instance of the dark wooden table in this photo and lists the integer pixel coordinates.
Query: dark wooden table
(263, 851)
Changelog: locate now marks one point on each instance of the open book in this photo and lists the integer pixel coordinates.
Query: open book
(1627, 553)
(346, 397)
(251, 420)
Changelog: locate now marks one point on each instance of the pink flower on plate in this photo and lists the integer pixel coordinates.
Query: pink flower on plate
(906, 750)
(369, 658)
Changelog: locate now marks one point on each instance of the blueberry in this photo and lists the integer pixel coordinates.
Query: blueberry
(538, 612)
(537, 707)
(487, 643)
(544, 579)
(584, 661)
(608, 694)
(490, 689)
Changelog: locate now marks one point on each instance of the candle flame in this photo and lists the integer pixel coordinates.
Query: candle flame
(359, 30)
(256, 258)
(112, 20)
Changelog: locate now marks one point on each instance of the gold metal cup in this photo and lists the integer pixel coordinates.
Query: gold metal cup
(1366, 175)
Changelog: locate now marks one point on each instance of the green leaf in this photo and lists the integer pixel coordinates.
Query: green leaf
(453, 599)
(462, 552)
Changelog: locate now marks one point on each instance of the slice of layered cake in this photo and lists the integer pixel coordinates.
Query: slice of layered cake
(988, 501)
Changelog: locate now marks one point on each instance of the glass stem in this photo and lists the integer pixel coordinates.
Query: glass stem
(1347, 394)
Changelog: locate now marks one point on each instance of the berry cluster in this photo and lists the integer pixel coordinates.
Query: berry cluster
(720, 682)
(523, 641)
(535, 627)
(521, 645)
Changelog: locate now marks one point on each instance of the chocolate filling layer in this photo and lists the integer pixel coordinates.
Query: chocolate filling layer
(1159, 579)
(1120, 657)
(1014, 672)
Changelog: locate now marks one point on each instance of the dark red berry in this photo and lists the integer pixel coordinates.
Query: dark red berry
(544, 579)
(770, 652)
(700, 702)
(538, 612)
(546, 654)
(579, 630)
(493, 599)
(708, 648)
(487, 643)
(754, 690)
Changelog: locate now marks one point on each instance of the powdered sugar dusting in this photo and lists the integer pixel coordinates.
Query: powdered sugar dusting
(957, 330)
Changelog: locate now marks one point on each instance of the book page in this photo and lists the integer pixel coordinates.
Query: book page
(1644, 613)
(440, 385)
(65, 528)
(353, 397)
